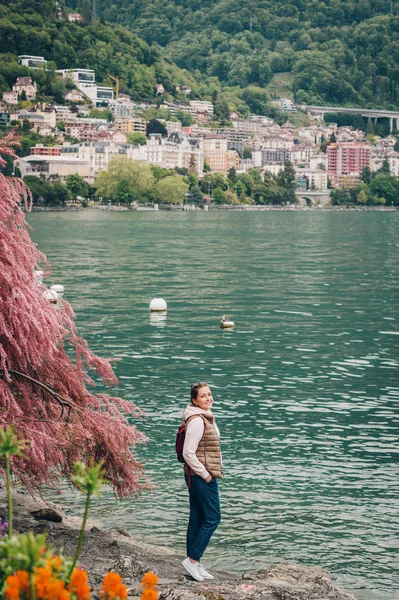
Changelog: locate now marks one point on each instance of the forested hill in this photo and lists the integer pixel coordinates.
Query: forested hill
(35, 27)
(337, 51)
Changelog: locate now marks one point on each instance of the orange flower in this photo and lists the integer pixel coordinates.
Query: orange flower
(23, 579)
(149, 594)
(149, 580)
(16, 585)
(112, 587)
(42, 579)
(12, 588)
(47, 587)
(55, 563)
(78, 585)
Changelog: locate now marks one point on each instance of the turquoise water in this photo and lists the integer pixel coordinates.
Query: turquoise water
(306, 386)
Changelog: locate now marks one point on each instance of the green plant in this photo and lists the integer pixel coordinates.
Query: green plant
(10, 445)
(88, 479)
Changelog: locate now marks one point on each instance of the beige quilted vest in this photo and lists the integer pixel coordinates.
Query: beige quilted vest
(208, 451)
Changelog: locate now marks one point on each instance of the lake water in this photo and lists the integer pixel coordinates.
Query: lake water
(306, 386)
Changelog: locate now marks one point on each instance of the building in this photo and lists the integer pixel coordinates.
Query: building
(236, 139)
(177, 151)
(346, 160)
(36, 117)
(75, 96)
(53, 167)
(33, 62)
(121, 109)
(378, 159)
(286, 104)
(10, 97)
(233, 160)
(275, 142)
(25, 84)
(215, 152)
(4, 117)
(85, 80)
(131, 125)
(75, 17)
(201, 106)
(268, 156)
(40, 150)
(316, 178)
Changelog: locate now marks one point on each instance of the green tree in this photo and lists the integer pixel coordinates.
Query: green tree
(77, 186)
(247, 152)
(219, 196)
(37, 187)
(121, 168)
(232, 175)
(365, 175)
(387, 187)
(136, 138)
(210, 181)
(385, 168)
(195, 196)
(155, 126)
(124, 193)
(287, 180)
(184, 117)
(362, 197)
(171, 190)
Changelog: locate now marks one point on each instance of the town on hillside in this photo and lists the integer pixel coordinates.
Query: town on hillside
(250, 160)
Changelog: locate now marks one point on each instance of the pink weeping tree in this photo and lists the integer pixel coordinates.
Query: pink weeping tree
(44, 394)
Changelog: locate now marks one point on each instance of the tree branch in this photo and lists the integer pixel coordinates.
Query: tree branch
(63, 402)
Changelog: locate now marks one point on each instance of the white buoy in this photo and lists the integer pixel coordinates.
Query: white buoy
(51, 296)
(59, 289)
(226, 324)
(158, 305)
(38, 276)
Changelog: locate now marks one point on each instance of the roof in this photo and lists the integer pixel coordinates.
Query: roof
(24, 81)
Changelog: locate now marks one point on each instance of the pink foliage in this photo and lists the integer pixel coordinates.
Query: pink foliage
(65, 422)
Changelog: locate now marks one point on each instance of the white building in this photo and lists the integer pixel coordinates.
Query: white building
(10, 97)
(379, 155)
(316, 160)
(176, 151)
(75, 96)
(84, 79)
(33, 62)
(36, 118)
(317, 178)
(25, 84)
(50, 167)
(201, 106)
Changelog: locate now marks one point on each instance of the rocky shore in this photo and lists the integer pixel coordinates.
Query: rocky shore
(215, 208)
(117, 550)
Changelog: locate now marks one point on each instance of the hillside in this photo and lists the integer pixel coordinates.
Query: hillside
(34, 27)
(337, 51)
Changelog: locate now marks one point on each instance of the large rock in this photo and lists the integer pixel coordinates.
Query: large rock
(112, 550)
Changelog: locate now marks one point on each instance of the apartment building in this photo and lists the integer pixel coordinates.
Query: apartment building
(347, 160)
(215, 151)
(41, 150)
(131, 125)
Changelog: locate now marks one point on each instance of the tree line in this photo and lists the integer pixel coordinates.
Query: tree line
(127, 181)
(338, 51)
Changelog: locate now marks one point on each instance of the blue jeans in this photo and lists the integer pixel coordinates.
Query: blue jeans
(204, 515)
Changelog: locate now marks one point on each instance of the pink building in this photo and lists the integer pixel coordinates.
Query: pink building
(346, 160)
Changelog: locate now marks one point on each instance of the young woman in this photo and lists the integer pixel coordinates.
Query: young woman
(203, 459)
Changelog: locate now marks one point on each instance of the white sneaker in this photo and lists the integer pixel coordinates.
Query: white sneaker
(193, 569)
(204, 573)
